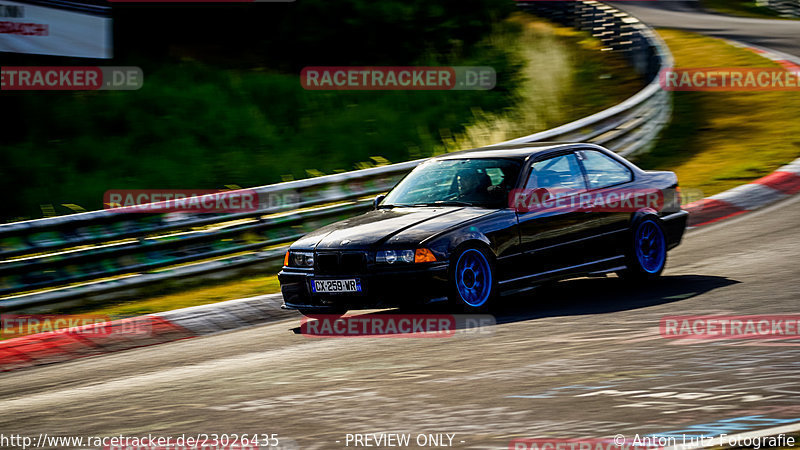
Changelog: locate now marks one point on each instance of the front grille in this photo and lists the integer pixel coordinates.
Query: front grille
(351, 262)
(334, 263)
(327, 263)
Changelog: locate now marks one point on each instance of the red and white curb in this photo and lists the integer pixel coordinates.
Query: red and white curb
(789, 62)
(95, 339)
(772, 188)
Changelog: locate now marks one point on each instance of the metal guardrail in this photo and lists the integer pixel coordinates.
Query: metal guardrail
(60, 251)
(789, 8)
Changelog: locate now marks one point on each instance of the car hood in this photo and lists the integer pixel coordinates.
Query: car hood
(394, 226)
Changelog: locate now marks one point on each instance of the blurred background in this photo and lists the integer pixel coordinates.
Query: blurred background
(222, 105)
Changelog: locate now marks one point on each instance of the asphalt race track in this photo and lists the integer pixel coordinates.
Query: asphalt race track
(581, 358)
(781, 35)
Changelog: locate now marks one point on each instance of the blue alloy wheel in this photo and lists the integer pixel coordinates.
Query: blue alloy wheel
(473, 278)
(650, 246)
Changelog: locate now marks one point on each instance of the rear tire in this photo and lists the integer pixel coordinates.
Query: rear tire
(647, 251)
(473, 284)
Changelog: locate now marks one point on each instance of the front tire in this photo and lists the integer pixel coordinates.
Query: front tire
(647, 254)
(472, 279)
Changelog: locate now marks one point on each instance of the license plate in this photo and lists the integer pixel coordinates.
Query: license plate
(327, 286)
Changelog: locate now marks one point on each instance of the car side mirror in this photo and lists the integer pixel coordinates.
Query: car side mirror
(378, 201)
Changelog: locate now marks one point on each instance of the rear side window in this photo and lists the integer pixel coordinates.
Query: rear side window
(603, 170)
(561, 174)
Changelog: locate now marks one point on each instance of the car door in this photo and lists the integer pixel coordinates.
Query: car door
(552, 227)
(608, 180)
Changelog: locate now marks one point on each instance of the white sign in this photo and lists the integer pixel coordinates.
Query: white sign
(61, 28)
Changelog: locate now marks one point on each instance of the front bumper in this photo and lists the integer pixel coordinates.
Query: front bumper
(381, 287)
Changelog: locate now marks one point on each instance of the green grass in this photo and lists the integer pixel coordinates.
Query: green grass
(719, 140)
(742, 8)
(566, 76)
(195, 126)
(228, 290)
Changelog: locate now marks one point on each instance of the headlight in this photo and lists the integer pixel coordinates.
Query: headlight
(301, 259)
(393, 256)
(419, 255)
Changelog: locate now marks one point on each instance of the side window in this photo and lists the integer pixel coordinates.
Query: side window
(604, 171)
(560, 175)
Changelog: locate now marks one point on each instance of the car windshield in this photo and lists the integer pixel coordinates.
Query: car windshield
(457, 182)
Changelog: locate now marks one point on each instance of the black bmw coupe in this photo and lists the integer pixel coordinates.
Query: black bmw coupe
(470, 226)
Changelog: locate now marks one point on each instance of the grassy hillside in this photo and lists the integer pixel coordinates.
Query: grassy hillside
(720, 140)
(200, 124)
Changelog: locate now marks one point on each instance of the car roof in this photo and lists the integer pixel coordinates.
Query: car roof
(516, 151)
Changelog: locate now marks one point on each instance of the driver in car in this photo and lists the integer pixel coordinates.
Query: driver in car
(474, 187)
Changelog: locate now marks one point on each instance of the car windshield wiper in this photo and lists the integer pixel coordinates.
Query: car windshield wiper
(436, 203)
(444, 203)
(395, 205)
